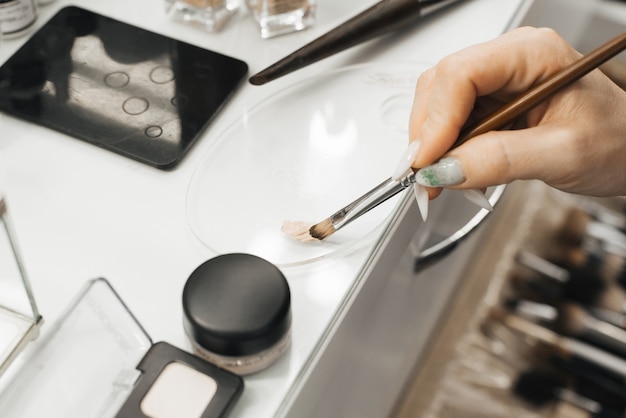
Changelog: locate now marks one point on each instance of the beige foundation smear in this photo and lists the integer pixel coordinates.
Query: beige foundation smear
(298, 230)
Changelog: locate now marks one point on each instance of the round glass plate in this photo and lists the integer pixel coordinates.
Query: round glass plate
(301, 155)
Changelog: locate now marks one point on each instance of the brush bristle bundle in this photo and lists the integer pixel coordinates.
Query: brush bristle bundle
(572, 319)
(575, 225)
(322, 230)
(258, 80)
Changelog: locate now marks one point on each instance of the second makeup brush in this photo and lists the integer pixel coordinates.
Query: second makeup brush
(383, 17)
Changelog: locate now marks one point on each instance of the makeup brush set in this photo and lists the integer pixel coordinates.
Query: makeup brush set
(549, 338)
(571, 300)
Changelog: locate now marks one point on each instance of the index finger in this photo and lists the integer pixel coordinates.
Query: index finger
(503, 68)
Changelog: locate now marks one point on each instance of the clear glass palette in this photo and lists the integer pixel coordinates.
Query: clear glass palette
(301, 155)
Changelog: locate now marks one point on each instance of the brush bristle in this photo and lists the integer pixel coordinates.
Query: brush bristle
(613, 267)
(584, 288)
(572, 319)
(575, 225)
(322, 230)
(537, 387)
(613, 299)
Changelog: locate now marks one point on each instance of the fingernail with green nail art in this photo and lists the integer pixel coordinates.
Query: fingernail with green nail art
(445, 172)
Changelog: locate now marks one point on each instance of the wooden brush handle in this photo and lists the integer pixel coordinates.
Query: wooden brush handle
(514, 109)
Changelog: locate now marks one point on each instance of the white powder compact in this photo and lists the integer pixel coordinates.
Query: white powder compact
(176, 384)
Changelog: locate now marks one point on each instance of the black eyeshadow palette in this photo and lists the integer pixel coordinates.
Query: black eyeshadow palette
(131, 91)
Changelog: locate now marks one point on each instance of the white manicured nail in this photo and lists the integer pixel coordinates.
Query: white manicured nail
(406, 160)
(421, 195)
(476, 196)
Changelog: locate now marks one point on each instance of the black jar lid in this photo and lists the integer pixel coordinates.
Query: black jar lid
(236, 305)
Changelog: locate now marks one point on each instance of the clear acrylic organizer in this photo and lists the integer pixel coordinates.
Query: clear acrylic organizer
(86, 364)
(19, 318)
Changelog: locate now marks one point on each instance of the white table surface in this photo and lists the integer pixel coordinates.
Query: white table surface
(81, 212)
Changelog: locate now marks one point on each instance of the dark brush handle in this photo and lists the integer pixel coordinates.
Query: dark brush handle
(514, 109)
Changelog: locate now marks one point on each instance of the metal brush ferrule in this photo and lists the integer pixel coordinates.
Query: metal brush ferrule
(371, 199)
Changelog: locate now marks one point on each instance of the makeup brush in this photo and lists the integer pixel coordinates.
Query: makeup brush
(578, 285)
(536, 289)
(532, 310)
(539, 388)
(616, 318)
(592, 210)
(601, 242)
(383, 17)
(572, 320)
(579, 225)
(603, 261)
(588, 372)
(564, 346)
(497, 120)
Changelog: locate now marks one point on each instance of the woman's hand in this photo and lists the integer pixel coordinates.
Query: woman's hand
(575, 141)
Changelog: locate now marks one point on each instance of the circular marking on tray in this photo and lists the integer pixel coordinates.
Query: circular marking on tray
(117, 79)
(153, 131)
(135, 105)
(161, 74)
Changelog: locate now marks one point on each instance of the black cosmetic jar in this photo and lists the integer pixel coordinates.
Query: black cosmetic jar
(237, 312)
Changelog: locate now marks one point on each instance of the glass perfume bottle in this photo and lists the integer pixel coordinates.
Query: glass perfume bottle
(17, 17)
(277, 17)
(210, 14)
